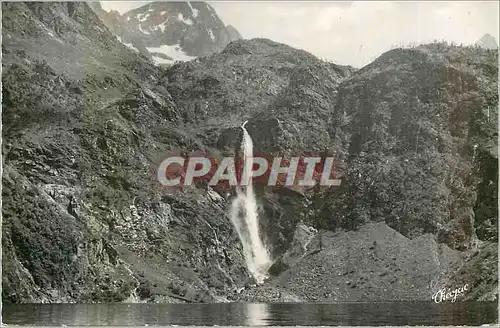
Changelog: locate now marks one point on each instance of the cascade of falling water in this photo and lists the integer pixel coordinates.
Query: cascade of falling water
(245, 218)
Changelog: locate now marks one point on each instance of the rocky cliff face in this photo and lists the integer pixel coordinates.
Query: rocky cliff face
(83, 220)
(418, 128)
(85, 118)
(170, 31)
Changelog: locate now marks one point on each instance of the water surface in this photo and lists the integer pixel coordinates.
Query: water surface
(244, 314)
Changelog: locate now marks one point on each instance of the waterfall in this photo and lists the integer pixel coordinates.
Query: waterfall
(245, 218)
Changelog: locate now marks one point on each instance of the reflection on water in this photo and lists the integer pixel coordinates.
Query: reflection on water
(238, 314)
(257, 314)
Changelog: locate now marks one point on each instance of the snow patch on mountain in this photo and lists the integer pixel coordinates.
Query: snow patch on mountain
(162, 26)
(49, 33)
(193, 10)
(211, 33)
(129, 45)
(174, 51)
(143, 17)
(187, 21)
(158, 60)
(142, 31)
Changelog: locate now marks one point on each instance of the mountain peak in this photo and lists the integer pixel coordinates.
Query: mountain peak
(170, 31)
(488, 41)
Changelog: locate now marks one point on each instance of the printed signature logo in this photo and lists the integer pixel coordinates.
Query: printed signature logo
(445, 295)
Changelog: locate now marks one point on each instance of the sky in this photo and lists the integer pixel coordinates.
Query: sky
(353, 33)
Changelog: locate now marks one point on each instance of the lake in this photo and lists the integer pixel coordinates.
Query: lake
(245, 314)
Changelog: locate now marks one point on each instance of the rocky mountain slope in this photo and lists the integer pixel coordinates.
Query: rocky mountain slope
(85, 118)
(170, 31)
(83, 219)
(374, 263)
